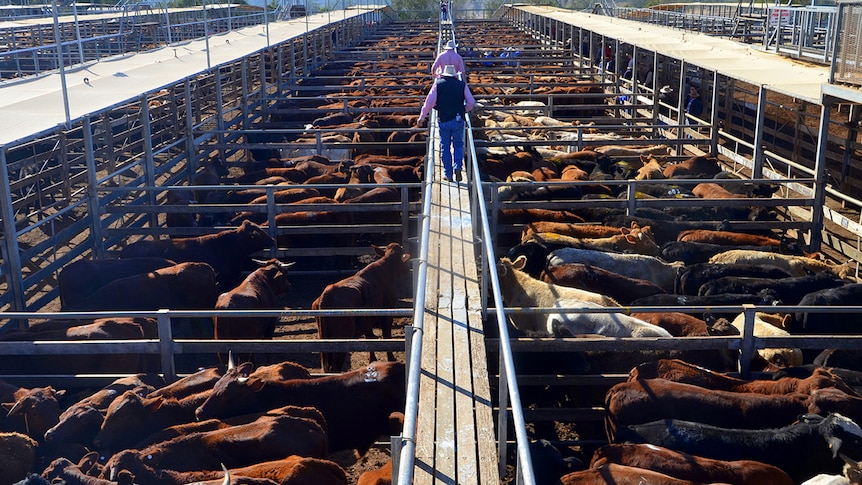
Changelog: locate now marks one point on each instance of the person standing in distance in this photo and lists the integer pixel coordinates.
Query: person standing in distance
(448, 56)
(452, 99)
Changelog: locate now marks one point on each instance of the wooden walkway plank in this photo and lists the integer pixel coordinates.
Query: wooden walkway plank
(456, 441)
(465, 419)
(425, 433)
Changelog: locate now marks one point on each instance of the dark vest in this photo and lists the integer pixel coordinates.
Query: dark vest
(450, 98)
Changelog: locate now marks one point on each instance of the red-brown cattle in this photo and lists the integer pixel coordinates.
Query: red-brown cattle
(80, 422)
(380, 476)
(398, 173)
(573, 172)
(621, 288)
(697, 166)
(185, 429)
(357, 405)
(524, 216)
(131, 418)
(683, 325)
(122, 328)
(79, 279)
(568, 229)
(613, 474)
(62, 470)
(372, 287)
(634, 241)
(680, 371)
(293, 470)
(225, 251)
(727, 238)
(375, 159)
(31, 411)
(286, 196)
(689, 467)
(189, 286)
(642, 401)
(19, 454)
(264, 439)
(359, 174)
(714, 191)
(260, 290)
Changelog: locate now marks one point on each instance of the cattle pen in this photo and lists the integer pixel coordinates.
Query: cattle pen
(183, 134)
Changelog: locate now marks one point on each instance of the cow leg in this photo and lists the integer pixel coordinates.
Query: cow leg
(386, 328)
(335, 328)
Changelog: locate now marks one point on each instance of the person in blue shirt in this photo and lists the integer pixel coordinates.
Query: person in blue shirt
(694, 105)
(452, 99)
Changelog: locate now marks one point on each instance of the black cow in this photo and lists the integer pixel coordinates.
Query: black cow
(789, 290)
(804, 449)
(690, 279)
(829, 323)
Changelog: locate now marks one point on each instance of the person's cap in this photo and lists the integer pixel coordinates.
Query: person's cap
(450, 45)
(449, 70)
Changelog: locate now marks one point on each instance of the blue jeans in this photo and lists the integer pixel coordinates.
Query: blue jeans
(452, 144)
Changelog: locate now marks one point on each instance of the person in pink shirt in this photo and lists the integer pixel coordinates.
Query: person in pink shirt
(452, 99)
(448, 57)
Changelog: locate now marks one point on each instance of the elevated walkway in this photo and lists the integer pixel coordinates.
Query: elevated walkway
(455, 441)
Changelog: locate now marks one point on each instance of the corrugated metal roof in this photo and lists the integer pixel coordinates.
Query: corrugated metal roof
(733, 59)
(35, 104)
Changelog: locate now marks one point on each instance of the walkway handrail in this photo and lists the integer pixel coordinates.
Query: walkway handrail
(403, 461)
(525, 465)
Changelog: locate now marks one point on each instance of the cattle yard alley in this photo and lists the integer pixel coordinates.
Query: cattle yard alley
(284, 212)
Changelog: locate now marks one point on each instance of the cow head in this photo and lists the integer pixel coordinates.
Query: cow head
(841, 433)
(39, 408)
(235, 386)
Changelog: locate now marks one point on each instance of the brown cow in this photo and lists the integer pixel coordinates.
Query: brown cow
(689, 467)
(568, 229)
(634, 241)
(259, 291)
(642, 401)
(185, 429)
(685, 325)
(189, 286)
(621, 288)
(225, 251)
(357, 405)
(31, 411)
(372, 287)
(380, 476)
(121, 328)
(79, 279)
(293, 470)
(80, 422)
(697, 166)
(269, 437)
(712, 190)
(680, 371)
(612, 473)
(359, 174)
(131, 418)
(727, 238)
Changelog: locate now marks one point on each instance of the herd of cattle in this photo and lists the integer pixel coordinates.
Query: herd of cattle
(672, 421)
(270, 424)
